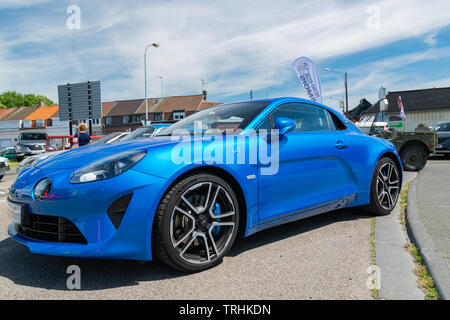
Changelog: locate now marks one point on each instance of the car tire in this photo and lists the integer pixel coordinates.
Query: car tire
(414, 158)
(385, 187)
(1, 176)
(196, 223)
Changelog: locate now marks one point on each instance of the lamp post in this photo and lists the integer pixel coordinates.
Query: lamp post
(145, 77)
(161, 78)
(346, 88)
(341, 103)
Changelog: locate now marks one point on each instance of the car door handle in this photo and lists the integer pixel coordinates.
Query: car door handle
(340, 145)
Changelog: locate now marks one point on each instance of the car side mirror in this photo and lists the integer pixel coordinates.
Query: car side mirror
(284, 125)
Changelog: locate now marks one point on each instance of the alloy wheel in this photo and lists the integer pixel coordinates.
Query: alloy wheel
(388, 186)
(202, 223)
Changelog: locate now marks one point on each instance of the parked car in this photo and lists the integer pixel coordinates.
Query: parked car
(443, 135)
(4, 166)
(414, 147)
(9, 153)
(135, 200)
(58, 144)
(146, 131)
(30, 143)
(112, 137)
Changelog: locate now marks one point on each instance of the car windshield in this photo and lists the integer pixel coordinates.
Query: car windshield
(33, 136)
(217, 120)
(140, 133)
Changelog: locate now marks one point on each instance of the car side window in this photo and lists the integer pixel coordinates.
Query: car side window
(446, 127)
(307, 118)
(264, 125)
(338, 124)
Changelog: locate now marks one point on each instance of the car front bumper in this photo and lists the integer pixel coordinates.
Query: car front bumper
(86, 206)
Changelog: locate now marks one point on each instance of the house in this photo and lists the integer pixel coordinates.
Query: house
(11, 121)
(355, 113)
(46, 118)
(122, 116)
(127, 115)
(423, 106)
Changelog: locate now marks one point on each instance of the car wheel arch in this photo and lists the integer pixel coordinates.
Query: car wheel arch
(225, 175)
(396, 160)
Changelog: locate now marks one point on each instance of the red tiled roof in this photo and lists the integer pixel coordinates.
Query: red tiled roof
(206, 105)
(20, 113)
(6, 112)
(169, 104)
(107, 106)
(44, 112)
(125, 107)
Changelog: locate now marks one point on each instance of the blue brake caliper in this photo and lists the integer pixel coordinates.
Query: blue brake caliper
(217, 212)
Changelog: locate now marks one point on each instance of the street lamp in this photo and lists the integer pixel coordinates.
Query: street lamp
(346, 88)
(161, 78)
(341, 103)
(145, 77)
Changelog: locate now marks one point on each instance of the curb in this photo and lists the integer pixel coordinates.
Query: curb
(397, 278)
(437, 267)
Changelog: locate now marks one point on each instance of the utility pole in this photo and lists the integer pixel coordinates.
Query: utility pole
(346, 96)
(346, 88)
(155, 45)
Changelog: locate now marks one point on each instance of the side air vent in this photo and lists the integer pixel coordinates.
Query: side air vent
(117, 209)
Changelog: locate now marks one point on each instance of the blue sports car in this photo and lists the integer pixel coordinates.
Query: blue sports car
(184, 195)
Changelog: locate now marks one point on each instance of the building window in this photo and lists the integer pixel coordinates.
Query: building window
(178, 115)
(125, 119)
(40, 123)
(157, 116)
(138, 118)
(108, 120)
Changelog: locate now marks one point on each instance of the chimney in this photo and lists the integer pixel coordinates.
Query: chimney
(204, 95)
(41, 103)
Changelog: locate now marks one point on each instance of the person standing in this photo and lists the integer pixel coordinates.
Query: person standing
(81, 138)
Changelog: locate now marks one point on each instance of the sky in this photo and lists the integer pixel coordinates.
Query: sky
(234, 45)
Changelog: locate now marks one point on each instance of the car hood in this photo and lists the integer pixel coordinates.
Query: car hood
(79, 157)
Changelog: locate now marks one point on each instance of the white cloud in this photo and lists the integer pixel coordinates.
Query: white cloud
(14, 4)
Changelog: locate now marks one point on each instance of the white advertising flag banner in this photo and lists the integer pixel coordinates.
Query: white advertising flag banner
(309, 77)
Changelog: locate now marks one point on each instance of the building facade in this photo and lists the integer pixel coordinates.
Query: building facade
(423, 106)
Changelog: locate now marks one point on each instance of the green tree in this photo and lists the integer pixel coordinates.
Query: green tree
(11, 99)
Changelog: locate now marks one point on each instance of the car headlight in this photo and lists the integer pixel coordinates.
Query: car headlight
(108, 167)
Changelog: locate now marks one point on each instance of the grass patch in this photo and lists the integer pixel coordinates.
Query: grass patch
(424, 281)
(13, 164)
(373, 253)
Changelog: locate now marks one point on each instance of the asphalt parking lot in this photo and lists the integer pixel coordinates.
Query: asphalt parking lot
(323, 257)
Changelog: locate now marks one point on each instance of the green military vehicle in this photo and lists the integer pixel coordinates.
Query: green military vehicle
(413, 146)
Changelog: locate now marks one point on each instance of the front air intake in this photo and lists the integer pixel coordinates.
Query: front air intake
(117, 209)
(50, 229)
